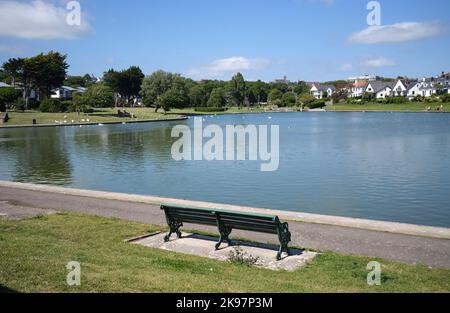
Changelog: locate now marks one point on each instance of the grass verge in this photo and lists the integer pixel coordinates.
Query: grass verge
(34, 254)
(401, 107)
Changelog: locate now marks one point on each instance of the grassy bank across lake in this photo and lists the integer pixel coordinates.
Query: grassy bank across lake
(34, 254)
(395, 107)
(104, 115)
(107, 115)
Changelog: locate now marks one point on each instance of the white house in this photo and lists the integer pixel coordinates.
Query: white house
(400, 88)
(358, 88)
(413, 90)
(427, 88)
(321, 91)
(380, 89)
(66, 92)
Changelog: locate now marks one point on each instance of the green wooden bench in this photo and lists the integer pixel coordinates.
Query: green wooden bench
(226, 221)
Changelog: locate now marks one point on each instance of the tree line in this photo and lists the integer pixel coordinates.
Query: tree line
(130, 87)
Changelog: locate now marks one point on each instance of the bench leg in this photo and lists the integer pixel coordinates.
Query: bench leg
(224, 235)
(284, 236)
(174, 226)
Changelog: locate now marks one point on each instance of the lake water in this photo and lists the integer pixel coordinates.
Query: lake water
(383, 166)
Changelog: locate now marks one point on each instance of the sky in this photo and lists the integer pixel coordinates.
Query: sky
(311, 40)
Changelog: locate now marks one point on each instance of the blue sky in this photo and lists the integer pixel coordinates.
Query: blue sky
(314, 40)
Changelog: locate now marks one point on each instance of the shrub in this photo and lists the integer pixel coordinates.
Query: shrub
(239, 256)
(210, 109)
(8, 96)
(305, 99)
(355, 101)
(395, 100)
(288, 99)
(318, 104)
(445, 98)
(419, 98)
(368, 96)
(52, 106)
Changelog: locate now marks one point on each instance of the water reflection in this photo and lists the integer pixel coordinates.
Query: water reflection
(378, 166)
(37, 155)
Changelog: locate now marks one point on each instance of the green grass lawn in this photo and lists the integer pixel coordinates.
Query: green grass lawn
(402, 107)
(106, 115)
(99, 116)
(34, 254)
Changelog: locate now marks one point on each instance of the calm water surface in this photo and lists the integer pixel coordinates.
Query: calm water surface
(384, 166)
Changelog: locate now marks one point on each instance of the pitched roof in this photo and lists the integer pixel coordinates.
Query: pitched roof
(361, 84)
(324, 87)
(411, 85)
(377, 85)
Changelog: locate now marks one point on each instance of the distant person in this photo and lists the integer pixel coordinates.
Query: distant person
(442, 108)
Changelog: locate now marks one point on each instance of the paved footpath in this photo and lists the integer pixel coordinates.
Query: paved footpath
(404, 248)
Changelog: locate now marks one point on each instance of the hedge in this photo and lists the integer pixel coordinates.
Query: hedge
(52, 106)
(210, 109)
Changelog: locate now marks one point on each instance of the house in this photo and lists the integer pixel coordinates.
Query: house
(413, 90)
(380, 89)
(401, 88)
(358, 88)
(66, 92)
(427, 88)
(322, 91)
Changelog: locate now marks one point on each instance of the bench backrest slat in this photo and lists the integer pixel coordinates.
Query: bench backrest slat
(232, 219)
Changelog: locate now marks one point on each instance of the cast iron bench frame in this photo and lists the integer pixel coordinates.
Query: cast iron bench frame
(226, 221)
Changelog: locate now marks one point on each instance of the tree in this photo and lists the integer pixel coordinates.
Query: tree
(217, 98)
(97, 96)
(156, 85)
(288, 99)
(305, 99)
(8, 96)
(238, 89)
(367, 96)
(173, 98)
(301, 88)
(131, 83)
(43, 72)
(275, 94)
(280, 85)
(251, 96)
(14, 68)
(48, 71)
(112, 80)
(75, 81)
(197, 95)
(259, 90)
(126, 84)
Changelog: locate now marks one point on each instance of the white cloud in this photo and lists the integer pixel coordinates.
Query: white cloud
(400, 32)
(38, 20)
(378, 62)
(346, 67)
(229, 65)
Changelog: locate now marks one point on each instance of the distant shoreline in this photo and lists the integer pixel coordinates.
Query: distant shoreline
(180, 116)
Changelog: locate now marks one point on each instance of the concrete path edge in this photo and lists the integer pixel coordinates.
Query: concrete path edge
(382, 226)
